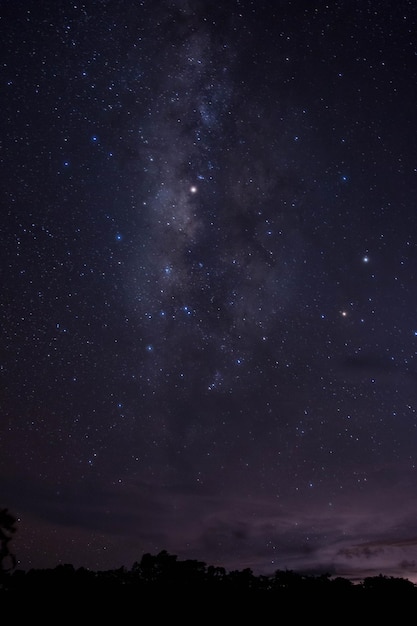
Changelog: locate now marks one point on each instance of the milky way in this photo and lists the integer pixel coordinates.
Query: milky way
(208, 310)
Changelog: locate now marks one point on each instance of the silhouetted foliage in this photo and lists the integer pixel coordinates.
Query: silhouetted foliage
(164, 575)
(381, 584)
(7, 530)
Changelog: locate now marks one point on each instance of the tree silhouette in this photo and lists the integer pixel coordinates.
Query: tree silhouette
(212, 588)
(155, 569)
(7, 530)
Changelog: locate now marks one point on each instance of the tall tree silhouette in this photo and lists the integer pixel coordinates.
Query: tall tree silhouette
(7, 530)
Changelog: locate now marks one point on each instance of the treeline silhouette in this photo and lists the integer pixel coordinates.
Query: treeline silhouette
(165, 575)
(164, 572)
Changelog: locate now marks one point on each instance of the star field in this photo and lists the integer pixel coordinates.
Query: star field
(209, 335)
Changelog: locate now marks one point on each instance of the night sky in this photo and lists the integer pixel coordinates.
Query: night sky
(209, 283)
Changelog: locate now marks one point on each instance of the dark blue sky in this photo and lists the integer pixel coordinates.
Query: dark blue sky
(209, 298)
